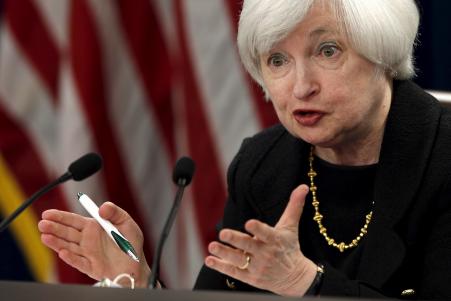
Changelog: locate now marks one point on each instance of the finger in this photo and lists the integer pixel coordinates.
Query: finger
(293, 211)
(62, 231)
(79, 262)
(57, 244)
(260, 231)
(240, 240)
(226, 268)
(234, 256)
(113, 213)
(66, 218)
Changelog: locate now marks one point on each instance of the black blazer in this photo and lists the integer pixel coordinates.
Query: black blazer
(408, 245)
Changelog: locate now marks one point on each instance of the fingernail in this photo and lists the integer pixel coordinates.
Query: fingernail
(250, 225)
(224, 235)
(209, 262)
(212, 248)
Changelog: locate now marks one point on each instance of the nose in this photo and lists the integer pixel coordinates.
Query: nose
(305, 84)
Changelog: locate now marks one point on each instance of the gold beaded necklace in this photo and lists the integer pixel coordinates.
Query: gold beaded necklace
(318, 216)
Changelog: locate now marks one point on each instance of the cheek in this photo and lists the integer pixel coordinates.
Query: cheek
(281, 105)
(279, 93)
(356, 114)
(345, 104)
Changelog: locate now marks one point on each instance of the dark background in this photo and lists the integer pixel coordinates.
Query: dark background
(433, 59)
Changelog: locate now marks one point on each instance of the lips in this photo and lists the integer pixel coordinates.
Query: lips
(308, 117)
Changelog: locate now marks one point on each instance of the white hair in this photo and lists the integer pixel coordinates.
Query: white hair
(382, 31)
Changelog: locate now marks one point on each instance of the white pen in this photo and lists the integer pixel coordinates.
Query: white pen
(112, 231)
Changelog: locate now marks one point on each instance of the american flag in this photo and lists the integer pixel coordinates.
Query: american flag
(141, 82)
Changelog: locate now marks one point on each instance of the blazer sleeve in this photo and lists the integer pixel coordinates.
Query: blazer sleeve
(335, 284)
(436, 280)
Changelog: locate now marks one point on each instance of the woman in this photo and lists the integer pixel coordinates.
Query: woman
(371, 145)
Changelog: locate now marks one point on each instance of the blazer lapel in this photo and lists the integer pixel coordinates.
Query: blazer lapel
(408, 139)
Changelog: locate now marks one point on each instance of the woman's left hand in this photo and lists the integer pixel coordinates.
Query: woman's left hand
(271, 259)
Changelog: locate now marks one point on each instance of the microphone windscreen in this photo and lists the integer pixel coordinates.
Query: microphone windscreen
(85, 166)
(184, 169)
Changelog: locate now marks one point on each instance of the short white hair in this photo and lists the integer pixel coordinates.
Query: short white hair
(382, 31)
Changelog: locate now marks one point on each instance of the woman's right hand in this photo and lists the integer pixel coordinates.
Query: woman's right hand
(83, 244)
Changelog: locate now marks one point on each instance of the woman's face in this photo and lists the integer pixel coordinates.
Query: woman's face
(322, 90)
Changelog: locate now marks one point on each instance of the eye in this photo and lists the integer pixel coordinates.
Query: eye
(329, 54)
(277, 60)
(328, 50)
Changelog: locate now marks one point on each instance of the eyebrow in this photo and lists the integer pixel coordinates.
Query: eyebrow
(321, 30)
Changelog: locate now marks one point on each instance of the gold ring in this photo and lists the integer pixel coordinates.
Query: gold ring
(246, 265)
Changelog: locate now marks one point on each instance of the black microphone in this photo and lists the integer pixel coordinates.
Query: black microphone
(78, 170)
(182, 175)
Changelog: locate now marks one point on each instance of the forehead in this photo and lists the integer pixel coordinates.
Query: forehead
(318, 21)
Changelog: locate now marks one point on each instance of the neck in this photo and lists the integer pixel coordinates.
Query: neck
(356, 155)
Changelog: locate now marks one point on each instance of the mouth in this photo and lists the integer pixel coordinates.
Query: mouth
(308, 117)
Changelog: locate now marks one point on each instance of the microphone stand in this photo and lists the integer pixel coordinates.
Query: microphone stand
(164, 234)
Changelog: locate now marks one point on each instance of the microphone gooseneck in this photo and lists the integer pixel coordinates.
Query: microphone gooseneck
(182, 176)
(78, 170)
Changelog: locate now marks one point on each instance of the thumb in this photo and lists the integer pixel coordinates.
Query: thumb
(113, 213)
(295, 206)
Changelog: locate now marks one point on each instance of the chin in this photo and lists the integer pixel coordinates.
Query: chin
(314, 138)
(317, 136)
(322, 142)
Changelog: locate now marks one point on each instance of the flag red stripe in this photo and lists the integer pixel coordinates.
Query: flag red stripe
(87, 63)
(35, 41)
(208, 186)
(151, 57)
(264, 109)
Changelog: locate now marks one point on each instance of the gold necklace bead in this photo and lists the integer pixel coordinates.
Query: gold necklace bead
(318, 217)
